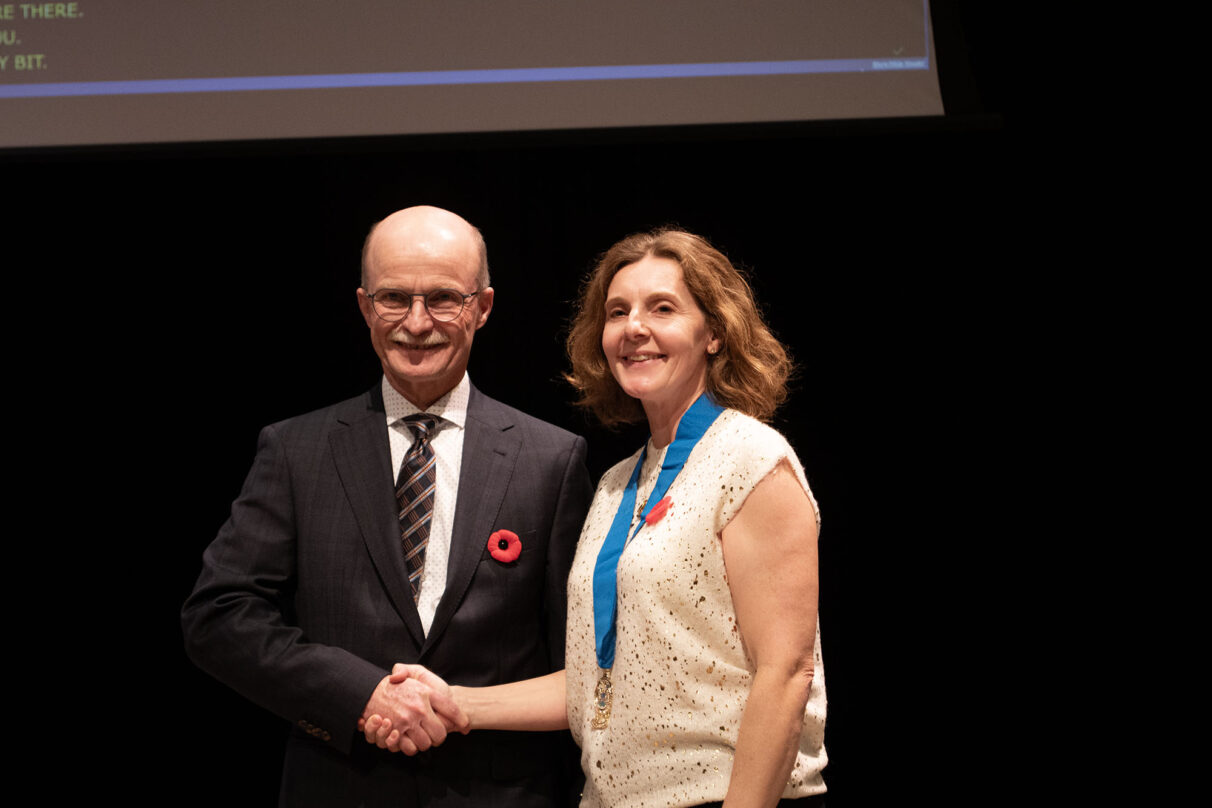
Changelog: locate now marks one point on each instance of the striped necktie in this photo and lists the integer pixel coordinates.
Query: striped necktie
(414, 494)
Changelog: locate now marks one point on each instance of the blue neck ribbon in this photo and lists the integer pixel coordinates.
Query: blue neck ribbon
(695, 421)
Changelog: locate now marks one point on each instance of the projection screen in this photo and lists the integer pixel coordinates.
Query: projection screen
(145, 71)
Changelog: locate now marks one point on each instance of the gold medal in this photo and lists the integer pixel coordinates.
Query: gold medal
(602, 695)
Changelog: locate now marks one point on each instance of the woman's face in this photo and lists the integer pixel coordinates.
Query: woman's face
(656, 338)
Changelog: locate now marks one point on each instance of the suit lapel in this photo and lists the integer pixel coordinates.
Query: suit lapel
(490, 452)
(362, 455)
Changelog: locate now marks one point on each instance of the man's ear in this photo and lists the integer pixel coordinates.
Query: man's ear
(366, 307)
(485, 298)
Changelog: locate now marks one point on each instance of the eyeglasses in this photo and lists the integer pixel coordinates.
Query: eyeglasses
(442, 305)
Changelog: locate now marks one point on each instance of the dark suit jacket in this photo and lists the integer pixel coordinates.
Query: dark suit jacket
(303, 603)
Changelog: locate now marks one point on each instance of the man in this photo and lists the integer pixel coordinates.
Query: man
(361, 539)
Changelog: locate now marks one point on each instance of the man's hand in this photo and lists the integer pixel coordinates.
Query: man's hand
(411, 710)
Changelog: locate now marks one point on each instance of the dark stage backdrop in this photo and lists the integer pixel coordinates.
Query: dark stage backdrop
(166, 304)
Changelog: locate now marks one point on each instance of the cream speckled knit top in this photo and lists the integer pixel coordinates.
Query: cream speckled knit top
(681, 675)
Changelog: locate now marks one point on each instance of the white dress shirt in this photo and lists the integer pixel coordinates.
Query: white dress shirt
(447, 443)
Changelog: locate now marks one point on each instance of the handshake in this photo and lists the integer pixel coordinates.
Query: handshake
(411, 710)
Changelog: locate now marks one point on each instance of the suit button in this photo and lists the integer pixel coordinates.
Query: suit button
(312, 730)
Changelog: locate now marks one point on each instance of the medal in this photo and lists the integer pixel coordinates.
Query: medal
(602, 695)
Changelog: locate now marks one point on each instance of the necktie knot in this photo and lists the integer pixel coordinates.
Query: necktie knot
(421, 425)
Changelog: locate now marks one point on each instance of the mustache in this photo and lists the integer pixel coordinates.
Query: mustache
(429, 340)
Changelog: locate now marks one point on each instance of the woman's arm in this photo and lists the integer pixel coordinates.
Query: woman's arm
(530, 705)
(537, 705)
(771, 558)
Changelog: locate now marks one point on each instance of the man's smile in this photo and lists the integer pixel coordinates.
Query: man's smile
(431, 340)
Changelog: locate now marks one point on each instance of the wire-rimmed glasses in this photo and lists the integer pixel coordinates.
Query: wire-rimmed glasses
(442, 305)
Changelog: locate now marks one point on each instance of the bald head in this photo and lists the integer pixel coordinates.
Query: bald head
(420, 232)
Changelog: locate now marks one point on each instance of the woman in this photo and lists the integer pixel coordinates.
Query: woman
(693, 657)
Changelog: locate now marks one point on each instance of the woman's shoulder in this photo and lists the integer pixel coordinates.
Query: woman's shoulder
(747, 450)
(750, 439)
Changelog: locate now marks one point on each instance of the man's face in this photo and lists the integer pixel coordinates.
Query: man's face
(423, 358)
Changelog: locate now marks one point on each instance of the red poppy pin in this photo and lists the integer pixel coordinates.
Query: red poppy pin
(504, 546)
(658, 511)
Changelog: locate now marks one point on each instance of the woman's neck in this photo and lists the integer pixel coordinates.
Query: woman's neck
(663, 420)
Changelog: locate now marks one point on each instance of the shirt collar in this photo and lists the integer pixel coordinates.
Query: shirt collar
(451, 407)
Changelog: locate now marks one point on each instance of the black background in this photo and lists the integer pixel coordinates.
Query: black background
(167, 302)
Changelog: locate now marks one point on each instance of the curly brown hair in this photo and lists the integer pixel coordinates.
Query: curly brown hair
(750, 371)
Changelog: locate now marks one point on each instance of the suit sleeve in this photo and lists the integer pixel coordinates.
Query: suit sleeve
(571, 507)
(239, 624)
